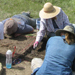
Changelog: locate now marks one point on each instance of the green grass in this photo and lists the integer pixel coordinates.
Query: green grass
(9, 8)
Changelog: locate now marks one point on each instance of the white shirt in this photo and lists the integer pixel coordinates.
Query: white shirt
(1, 30)
(46, 25)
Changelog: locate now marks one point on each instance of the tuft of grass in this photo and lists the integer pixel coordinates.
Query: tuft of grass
(9, 8)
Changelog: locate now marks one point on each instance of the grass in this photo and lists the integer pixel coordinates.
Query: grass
(9, 8)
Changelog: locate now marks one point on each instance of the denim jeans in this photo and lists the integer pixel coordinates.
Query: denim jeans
(26, 17)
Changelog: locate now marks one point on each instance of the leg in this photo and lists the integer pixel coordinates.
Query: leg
(29, 20)
(35, 63)
(26, 13)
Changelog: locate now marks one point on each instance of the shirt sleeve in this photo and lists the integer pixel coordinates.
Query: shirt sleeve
(41, 32)
(65, 19)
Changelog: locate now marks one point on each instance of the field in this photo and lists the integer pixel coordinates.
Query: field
(9, 8)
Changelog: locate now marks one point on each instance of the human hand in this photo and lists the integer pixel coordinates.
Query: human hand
(35, 44)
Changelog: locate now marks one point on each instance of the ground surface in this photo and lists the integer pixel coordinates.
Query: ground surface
(23, 51)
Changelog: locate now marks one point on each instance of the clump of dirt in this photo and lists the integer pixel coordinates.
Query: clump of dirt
(24, 51)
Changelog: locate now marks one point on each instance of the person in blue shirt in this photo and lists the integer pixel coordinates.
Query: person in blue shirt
(19, 24)
(59, 56)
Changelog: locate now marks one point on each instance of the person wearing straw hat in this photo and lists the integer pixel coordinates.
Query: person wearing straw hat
(59, 56)
(52, 18)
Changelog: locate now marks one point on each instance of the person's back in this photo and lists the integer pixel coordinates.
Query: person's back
(58, 59)
(59, 56)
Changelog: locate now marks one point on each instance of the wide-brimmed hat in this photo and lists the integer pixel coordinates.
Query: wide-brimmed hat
(49, 11)
(10, 26)
(68, 29)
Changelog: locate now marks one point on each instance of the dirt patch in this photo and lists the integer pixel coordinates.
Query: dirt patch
(24, 51)
(20, 44)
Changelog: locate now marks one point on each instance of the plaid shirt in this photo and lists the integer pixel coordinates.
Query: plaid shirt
(46, 25)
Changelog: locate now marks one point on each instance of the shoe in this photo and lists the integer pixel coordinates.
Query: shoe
(25, 12)
(35, 63)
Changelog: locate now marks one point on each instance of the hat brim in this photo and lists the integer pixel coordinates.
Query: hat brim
(6, 32)
(58, 32)
(52, 14)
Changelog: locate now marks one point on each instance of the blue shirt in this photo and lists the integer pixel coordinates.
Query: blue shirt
(58, 58)
(23, 26)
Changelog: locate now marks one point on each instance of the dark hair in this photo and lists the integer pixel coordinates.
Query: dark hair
(69, 38)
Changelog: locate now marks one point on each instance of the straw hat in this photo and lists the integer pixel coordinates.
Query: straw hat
(49, 11)
(67, 28)
(10, 26)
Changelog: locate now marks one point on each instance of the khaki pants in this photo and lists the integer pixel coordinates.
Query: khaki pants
(35, 63)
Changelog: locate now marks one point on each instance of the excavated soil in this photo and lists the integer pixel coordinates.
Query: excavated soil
(23, 46)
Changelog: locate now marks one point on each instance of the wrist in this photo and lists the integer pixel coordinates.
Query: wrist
(37, 42)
